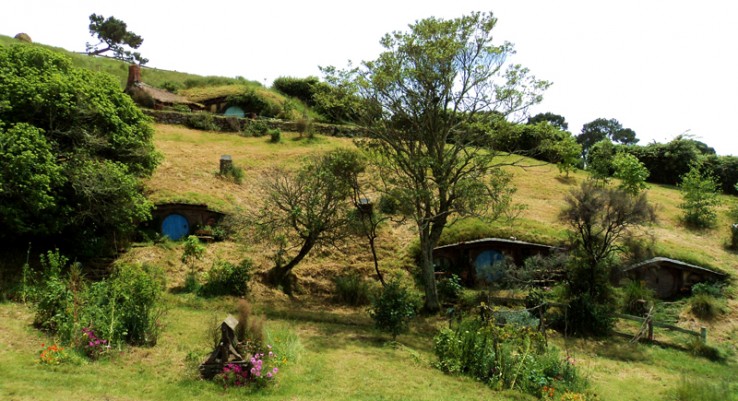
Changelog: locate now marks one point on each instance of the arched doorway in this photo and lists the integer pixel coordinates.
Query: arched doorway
(175, 226)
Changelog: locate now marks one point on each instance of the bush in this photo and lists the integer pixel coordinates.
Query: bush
(256, 128)
(511, 357)
(300, 88)
(225, 278)
(233, 173)
(172, 86)
(352, 289)
(388, 204)
(450, 289)
(394, 308)
(699, 192)
(255, 101)
(126, 306)
(637, 298)
(275, 135)
(54, 300)
(705, 306)
(202, 121)
(708, 288)
(588, 318)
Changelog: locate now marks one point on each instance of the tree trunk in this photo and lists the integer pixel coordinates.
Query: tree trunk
(376, 262)
(282, 275)
(432, 304)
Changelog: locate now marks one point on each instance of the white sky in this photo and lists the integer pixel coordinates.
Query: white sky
(660, 67)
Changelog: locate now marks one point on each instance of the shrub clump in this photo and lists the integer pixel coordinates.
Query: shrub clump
(202, 121)
(637, 298)
(352, 289)
(225, 278)
(122, 308)
(393, 308)
(705, 306)
(256, 128)
(275, 135)
(506, 357)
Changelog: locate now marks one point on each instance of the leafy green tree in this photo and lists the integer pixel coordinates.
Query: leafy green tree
(305, 209)
(114, 36)
(603, 220)
(700, 198)
(423, 93)
(337, 98)
(556, 120)
(73, 148)
(600, 160)
(602, 128)
(631, 172)
(394, 308)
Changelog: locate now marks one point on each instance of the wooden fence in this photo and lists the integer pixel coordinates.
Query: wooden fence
(647, 322)
(650, 324)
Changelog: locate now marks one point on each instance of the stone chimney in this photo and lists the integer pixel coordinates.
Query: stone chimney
(134, 75)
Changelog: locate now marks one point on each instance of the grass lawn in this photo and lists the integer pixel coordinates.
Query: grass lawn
(333, 354)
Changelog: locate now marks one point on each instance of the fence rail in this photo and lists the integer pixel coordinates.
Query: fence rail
(702, 334)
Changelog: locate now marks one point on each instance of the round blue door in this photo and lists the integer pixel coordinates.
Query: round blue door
(489, 265)
(175, 226)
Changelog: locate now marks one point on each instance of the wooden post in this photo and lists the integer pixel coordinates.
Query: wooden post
(703, 334)
(650, 330)
(226, 163)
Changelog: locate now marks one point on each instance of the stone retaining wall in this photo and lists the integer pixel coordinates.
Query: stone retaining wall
(234, 124)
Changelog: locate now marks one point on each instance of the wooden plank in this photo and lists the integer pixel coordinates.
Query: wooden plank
(657, 324)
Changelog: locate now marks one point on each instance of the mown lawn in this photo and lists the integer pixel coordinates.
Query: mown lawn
(332, 355)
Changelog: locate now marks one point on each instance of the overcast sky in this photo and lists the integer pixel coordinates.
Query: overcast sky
(662, 68)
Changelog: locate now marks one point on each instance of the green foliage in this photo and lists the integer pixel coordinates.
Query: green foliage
(232, 172)
(418, 121)
(256, 128)
(252, 101)
(352, 289)
(225, 278)
(124, 307)
(338, 98)
(53, 300)
(705, 306)
(670, 161)
(202, 121)
(700, 198)
(590, 317)
(556, 120)
(450, 288)
(114, 36)
(173, 86)
(393, 308)
(708, 288)
(300, 88)
(600, 160)
(127, 306)
(507, 357)
(91, 145)
(637, 298)
(307, 208)
(631, 172)
(604, 129)
(275, 135)
(28, 174)
(698, 348)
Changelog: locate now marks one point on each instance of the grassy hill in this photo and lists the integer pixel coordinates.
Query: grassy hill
(333, 352)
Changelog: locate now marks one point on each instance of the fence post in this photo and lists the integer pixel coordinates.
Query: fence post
(650, 329)
(703, 334)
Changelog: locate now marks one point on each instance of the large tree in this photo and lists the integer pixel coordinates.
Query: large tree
(306, 208)
(556, 120)
(113, 36)
(602, 128)
(423, 94)
(73, 148)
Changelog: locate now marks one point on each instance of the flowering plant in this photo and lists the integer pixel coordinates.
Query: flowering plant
(93, 346)
(52, 355)
(259, 373)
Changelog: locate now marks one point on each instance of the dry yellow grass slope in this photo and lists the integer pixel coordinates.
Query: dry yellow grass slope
(188, 173)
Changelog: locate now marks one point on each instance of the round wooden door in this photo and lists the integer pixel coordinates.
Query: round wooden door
(175, 226)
